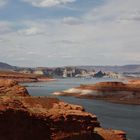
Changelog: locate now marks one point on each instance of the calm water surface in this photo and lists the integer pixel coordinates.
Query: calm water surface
(124, 117)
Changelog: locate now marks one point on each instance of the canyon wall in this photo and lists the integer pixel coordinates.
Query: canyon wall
(23, 117)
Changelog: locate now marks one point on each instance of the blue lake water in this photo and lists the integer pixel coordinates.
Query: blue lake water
(116, 116)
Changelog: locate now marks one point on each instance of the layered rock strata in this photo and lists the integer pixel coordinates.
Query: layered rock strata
(21, 77)
(23, 117)
(117, 92)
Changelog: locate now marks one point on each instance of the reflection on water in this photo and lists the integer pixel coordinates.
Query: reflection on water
(124, 117)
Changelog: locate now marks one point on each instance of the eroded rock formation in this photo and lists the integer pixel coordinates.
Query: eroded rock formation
(117, 92)
(22, 77)
(11, 88)
(23, 117)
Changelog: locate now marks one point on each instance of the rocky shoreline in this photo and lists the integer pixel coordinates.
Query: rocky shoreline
(21, 77)
(25, 117)
(116, 92)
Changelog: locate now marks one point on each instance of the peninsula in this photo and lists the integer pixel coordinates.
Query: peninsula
(23, 77)
(116, 92)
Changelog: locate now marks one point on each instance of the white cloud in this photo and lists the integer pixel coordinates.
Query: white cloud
(115, 9)
(48, 3)
(5, 27)
(2, 2)
(72, 21)
(31, 31)
(108, 35)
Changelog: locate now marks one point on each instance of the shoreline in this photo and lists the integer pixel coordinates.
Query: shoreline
(115, 92)
(24, 78)
(51, 118)
(100, 99)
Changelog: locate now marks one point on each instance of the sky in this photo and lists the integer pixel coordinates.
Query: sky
(69, 32)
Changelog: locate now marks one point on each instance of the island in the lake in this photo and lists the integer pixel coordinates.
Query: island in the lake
(117, 92)
(23, 117)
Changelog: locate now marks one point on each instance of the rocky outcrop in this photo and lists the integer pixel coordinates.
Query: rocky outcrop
(11, 88)
(99, 74)
(117, 92)
(115, 86)
(42, 118)
(109, 134)
(22, 77)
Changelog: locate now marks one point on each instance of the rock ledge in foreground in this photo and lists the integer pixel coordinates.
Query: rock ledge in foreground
(23, 117)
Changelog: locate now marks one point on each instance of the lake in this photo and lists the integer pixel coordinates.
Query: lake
(116, 116)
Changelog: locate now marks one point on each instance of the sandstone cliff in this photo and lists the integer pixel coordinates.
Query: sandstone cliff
(21, 77)
(23, 117)
(11, 88)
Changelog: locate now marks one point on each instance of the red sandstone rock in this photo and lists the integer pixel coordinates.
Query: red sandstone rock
(116, 92)
(21, 77)
(109, 134)
(11, 88)
(42, 118)
(113, 86)
(47, 114)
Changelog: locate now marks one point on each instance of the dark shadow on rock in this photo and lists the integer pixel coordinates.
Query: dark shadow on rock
(90, 136)
(19, 125)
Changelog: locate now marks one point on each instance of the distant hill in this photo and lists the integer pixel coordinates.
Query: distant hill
(5, 66)
(120, 69)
